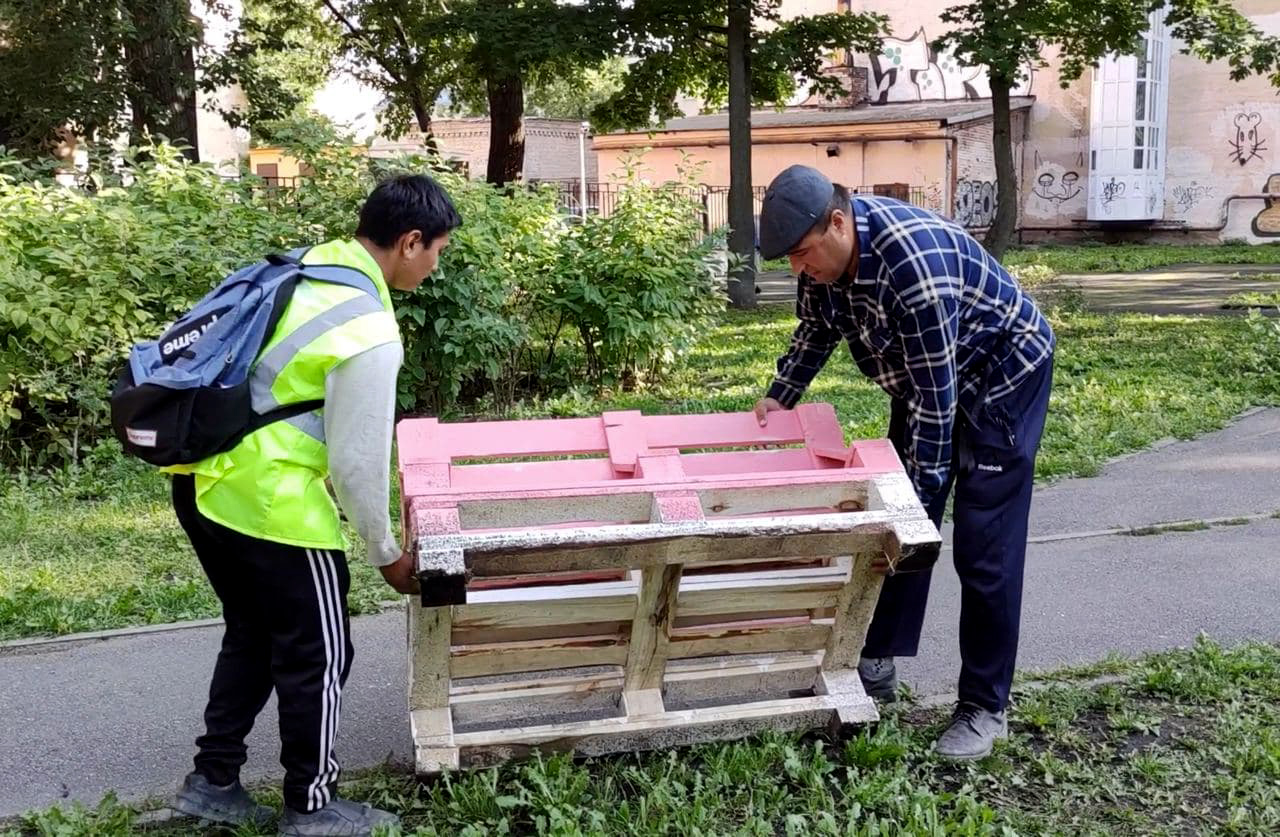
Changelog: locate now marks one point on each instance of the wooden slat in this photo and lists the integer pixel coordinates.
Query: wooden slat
(537, 655)
(429, 631)
(722, 430)
(738, 502)
(541, 511)
(655, 612)
(422, 439)
(746, 638)
(594, 507)
(797, 480)
(561, 604)
(854, 609)
(671, 728)
(639, 546)
(709, 595)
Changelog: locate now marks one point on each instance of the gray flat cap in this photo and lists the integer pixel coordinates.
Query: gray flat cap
(793, 203)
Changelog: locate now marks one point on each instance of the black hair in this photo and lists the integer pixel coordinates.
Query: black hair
(405, 203)
(839, 200)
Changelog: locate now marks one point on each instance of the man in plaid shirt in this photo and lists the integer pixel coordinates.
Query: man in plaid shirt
(967, 360)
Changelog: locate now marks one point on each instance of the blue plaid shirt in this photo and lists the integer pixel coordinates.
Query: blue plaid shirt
(930, 316)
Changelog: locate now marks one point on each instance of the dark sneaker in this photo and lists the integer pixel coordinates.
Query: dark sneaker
(226, 804)
(879, 678)
(973, 733)
(340, 818)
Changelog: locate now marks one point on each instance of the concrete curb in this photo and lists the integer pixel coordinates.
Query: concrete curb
(35, 645)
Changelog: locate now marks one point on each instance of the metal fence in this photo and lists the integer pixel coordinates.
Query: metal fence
(602, 198)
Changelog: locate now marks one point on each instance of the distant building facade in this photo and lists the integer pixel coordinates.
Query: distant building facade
(1153, 143)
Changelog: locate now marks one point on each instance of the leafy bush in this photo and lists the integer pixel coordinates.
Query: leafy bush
(82, 278)
(635, 286)
(525, 302)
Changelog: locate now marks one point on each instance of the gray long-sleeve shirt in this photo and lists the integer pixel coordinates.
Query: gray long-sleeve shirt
(359, 419)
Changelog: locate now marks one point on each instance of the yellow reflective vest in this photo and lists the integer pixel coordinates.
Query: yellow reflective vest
(272, 484)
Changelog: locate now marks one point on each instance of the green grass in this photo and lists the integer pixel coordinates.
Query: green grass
(1185, 742)
(99, 548)
(1124, 258)
(1253, 299)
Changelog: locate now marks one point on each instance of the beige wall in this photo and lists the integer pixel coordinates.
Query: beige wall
(1209, 115)
(857, 164)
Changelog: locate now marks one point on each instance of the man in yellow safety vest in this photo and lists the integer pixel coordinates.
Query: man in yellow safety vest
(268, 535)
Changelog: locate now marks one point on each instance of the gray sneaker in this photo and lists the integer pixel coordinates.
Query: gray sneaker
(340, 818)
(227, 804)
(879, 678)
(973, 733)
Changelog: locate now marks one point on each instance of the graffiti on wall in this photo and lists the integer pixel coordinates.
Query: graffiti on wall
(1247, 144)
(911, 71)
(1186, 198)
(975, 203)
(1111, 190)
(1054, 186)
(1266, 224)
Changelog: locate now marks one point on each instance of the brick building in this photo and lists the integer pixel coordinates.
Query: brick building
(1158, 142)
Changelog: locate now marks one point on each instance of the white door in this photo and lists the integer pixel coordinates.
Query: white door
(1128, 115)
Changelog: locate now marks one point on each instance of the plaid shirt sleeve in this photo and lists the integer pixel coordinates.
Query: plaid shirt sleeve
(811, 346)
(928, 322)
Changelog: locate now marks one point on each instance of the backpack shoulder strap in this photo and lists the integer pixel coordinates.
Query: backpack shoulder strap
(336, 274)
(339, 274)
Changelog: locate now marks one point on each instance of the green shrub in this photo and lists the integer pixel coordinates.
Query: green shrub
(82, 278)
(525, 302)
(636, 286)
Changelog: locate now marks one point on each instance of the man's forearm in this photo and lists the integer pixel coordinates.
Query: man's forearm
(811, 346)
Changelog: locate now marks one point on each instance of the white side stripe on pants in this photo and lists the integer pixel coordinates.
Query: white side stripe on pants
(328, 600)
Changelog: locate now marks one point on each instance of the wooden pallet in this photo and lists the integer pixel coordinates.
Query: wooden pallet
(645, 595)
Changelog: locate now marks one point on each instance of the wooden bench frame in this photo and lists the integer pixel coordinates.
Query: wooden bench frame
(653, 609)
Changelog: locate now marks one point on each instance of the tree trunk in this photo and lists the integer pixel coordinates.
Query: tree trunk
(506, 129)
(160, 61)
(742, 287)
(422, 115)
(1000, 233)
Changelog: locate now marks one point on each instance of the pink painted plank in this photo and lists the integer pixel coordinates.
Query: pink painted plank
(664, 464)
(523, 476)
(625, 436)
(723, 430)
(426, 440)
(610, 487)
(875, 454)
(822, 435)
(748, 462)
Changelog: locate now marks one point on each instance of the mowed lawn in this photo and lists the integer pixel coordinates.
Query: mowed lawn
(98, 547)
